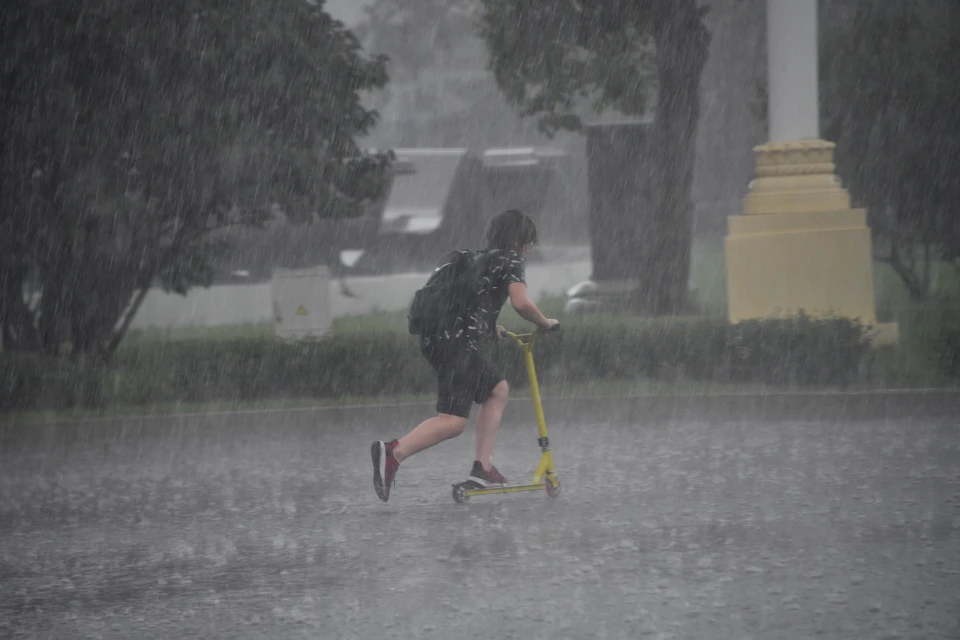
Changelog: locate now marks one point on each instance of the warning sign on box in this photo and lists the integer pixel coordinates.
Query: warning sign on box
(302, 300)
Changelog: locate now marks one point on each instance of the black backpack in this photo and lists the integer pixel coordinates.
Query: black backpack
(442, 304)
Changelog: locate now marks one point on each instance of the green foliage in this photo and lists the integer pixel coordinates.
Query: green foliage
(33, 381)
(889, 90)
(136, 132)
(439, 94)
(255, 369)
(415, 34)
(932, 335)
(551, 59)
(801, 351)
(947, 348)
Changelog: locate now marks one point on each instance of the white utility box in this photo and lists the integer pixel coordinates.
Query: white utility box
(301, 302)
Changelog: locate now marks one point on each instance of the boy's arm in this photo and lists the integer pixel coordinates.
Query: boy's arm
(526, 307)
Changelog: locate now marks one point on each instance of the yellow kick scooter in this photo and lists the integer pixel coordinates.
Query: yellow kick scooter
(545, 477)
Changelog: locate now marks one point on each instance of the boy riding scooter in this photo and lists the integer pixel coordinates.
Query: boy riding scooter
(454, 315)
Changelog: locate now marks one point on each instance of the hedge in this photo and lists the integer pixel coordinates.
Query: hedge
(947, 359)
(799, 351)
(32, 381)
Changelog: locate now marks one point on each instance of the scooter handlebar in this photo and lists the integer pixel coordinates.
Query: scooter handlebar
(530, 335)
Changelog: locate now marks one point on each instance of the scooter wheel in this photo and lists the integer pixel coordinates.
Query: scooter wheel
(460, 493)
(552, 490)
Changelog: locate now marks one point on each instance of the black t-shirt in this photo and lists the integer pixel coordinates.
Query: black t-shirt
(499, 269)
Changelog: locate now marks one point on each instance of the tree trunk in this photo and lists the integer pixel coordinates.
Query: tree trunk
(618, 179)
(641, 177)
(682, 44)
(16, 321)
(917, 288)
(54, 300)
(9, 285)
(111, 347)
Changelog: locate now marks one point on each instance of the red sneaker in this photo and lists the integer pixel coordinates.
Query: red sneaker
(486, 478)
(384, 467)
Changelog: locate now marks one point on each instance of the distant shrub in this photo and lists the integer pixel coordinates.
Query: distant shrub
(31, 381)
(930, 335)
(256, 369)
(798, 351)
(942, 340)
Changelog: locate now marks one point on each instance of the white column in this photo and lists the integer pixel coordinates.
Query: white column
(793, 108)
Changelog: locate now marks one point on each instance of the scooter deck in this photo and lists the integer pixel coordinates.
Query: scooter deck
(463, 491)
(506, 488)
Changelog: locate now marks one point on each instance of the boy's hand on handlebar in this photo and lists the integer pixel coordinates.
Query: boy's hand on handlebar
(552, 325)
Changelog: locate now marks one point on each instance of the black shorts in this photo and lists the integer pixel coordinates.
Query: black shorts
(463, 376)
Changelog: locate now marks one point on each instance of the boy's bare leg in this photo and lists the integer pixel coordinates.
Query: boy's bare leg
(488, 423)
(428, 433)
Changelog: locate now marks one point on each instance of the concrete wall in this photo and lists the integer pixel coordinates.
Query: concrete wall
(244, 304)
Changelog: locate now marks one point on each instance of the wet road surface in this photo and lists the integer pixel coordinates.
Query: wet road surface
(764, 517)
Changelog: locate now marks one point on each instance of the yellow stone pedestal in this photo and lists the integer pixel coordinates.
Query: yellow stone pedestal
(799, 245)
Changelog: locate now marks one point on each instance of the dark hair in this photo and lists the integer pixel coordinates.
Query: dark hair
(511, 230)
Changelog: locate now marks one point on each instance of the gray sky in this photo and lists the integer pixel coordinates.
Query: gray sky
(350, 11)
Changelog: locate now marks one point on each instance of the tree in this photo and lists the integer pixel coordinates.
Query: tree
(890, 87)
(549, 58)
(136, 132)
(419, 37)
(416, 34)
